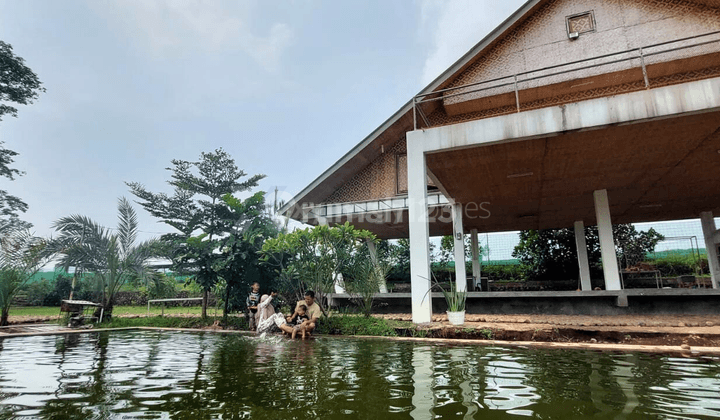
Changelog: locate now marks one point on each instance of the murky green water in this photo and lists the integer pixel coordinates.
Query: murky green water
(185, 375)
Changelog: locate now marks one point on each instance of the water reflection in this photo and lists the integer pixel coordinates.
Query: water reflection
(423, 397)
(181, 375)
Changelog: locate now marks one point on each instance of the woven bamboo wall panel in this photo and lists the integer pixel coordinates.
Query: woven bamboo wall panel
(376, 181)
(542, 41)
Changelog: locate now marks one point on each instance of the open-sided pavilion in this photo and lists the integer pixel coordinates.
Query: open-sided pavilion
(570, 113)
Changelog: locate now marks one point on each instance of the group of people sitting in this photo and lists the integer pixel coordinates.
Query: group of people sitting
(263, 318)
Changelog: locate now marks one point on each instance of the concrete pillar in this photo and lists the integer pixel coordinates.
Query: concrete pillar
(582, 256)
(607, 244)
(459, 248)
(475, 250)
(419, 236)
(382, 285)
(710, 233)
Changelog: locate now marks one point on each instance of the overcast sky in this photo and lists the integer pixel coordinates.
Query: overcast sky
(286, 87)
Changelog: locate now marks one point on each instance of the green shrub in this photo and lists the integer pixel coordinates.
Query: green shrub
(510, 272)
(36, 292)
(61, 290)
(161, 287)
(190, 288)
(420, 333)
(671, 265)
(487, 333)
(355, 325)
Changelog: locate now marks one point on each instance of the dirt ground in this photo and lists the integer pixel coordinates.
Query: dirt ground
(657, 330)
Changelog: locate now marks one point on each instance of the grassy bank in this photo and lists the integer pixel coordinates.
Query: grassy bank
(232, 323)
(334, 325)
(176, 317)
(360, 325)
(45, 311)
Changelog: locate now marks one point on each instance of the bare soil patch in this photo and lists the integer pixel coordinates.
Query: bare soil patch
(658, 330)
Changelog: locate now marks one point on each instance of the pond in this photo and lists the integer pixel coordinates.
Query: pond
(153, 374)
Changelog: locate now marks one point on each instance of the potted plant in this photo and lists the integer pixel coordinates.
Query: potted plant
(455, 300)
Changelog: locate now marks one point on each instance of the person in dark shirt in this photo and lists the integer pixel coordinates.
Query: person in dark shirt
(252, 302)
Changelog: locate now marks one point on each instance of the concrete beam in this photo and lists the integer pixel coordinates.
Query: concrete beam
(709, 233)
(419, 231)
(440, 186)
(607, 244)
(669, 101)
(582, 255)
(459, 248)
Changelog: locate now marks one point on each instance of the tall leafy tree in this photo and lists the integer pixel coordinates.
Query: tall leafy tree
(551, 254)
(10, 205)
(447, 249)
(21, 256)
(313, 258)
(18, 85)
(248, 225)
(113, 257)
(195, 211)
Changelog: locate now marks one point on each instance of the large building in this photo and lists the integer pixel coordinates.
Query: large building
(571, 113)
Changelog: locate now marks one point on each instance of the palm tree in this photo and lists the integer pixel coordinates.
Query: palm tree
(113, 257)
(21, 256)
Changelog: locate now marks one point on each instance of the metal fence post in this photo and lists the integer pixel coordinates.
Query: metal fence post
(414, 113)
(517, 95)
(644, 70)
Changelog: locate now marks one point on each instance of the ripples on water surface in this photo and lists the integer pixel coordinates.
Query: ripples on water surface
(186, 375)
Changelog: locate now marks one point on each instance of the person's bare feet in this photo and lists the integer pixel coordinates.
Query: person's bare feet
(303, 334)
(293, 334)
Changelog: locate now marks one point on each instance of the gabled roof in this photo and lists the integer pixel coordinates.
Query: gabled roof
(367, 150)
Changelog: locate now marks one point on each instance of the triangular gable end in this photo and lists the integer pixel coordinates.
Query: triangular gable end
(543, 39)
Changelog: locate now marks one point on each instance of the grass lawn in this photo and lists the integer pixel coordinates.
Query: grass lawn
(177, 317)
(43, 311)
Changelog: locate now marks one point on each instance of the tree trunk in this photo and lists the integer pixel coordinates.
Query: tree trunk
(4, 319)
(227, 301)
(106, 312)
(204, 304)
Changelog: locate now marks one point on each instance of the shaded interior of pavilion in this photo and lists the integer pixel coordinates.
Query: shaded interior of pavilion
(644, 170)
(649, 154)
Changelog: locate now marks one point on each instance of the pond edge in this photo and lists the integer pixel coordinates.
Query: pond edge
(603, 347)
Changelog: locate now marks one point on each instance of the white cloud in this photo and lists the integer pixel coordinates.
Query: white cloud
(178, 26)
(455, 26)
(267, 51)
